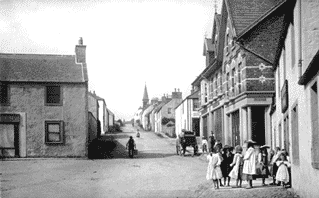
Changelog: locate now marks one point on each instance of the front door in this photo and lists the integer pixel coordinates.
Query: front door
(195, 126)
(9, 140)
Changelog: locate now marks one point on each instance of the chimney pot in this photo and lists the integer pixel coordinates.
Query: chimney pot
(80, 41)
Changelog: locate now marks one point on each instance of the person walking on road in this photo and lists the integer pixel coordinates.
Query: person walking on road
(130, 145)
(178, 147)
(249, 168)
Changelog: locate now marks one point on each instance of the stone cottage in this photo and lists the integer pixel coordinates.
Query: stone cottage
(44, 104)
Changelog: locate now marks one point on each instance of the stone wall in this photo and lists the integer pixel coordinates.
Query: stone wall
(29, 99)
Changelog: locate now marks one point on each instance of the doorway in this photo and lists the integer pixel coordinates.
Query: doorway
(195, 126)
(258, 124)
(9, 140)
(235, 128)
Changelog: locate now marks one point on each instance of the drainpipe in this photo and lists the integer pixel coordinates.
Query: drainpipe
(300, 42)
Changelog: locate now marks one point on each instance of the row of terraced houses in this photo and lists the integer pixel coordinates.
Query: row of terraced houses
(46, 108)
(260, 81)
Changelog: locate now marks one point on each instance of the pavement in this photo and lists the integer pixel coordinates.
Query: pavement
(155, 172)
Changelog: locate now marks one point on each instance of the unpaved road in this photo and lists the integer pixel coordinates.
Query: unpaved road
(155, 172)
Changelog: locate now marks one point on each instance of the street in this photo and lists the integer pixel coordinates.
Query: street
(155, 172)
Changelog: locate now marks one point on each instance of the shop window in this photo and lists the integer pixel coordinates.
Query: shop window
(54, 133)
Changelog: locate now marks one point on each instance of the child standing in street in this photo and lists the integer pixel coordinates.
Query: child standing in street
(213, 169)
(237, 164)
(227, 160)
(263, 164)
(282, 175)
(249, 168)
(273, 169)
(204, 145)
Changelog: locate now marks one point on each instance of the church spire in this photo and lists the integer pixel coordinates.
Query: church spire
(145, 97)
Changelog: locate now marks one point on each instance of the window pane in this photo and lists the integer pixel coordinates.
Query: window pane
(54, 128)
(53, 94)
(54, 137)
(3, 94)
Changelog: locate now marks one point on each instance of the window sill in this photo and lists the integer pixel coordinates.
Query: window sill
(54, 143)
(53, 104)
(315, 165)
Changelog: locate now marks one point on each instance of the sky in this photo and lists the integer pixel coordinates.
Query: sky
(129, 43)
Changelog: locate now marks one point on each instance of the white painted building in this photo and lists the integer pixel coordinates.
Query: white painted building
(187, 115)
(295, 111)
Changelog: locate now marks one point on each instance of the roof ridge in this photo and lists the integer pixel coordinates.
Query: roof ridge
(26, 54)
(230, 17)
(262, 17)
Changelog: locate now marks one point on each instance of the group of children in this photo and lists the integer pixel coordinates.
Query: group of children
(255, 163)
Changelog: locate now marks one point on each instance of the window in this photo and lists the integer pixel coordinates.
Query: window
(195, 104)
(169, 110)
(54, 132)
(233, 78)
(53, 95)
(314, 125)
(4, 94)
(239, 77)
(206, 93)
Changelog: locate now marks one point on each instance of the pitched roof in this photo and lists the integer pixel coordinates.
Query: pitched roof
(110, 112)
(191, 96)
(311, 71)
(265, 38)
(159, 107)
(244, 13)
(41, 68)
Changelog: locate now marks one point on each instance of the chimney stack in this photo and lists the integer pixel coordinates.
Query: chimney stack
(80, 52)
(177, 94)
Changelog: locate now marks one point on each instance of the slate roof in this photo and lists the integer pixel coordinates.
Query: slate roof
(245, 13)
(41, 68)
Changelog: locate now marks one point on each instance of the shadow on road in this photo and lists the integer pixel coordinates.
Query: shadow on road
(108, 147)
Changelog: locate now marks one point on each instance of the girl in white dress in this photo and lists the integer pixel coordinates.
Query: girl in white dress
(213, 169)
(236, 172)
(249, 168)
(282, 174)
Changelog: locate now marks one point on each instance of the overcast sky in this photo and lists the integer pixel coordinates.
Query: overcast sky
(129, 43)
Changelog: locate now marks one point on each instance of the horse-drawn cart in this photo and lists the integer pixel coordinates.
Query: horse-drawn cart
(188, 138)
